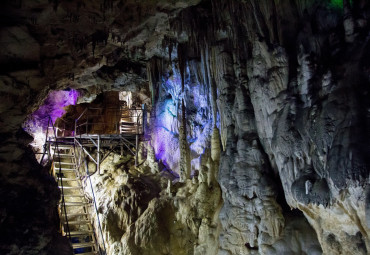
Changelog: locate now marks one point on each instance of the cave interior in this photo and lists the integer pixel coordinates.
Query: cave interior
(177, 127)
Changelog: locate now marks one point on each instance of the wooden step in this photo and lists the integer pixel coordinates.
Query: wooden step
(64, 147)
(80, 233)
(75, 214)
(65, 169)
(64, 163)
(70, 187)
(60, 155)
(71, 165)
(78, 222)
(76, 204)
(67, 179)
(72, 195)
(82, 245)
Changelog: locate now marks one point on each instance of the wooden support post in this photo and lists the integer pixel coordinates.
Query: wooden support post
(75, 133)
(121, 142)
(87, 124)
(144, 119)
(98, 156)
(137, 143)
(49, 152)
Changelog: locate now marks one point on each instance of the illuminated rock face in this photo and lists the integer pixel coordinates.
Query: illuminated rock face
(276, 108)
(166, 128)
(140, 214)
(52, 108)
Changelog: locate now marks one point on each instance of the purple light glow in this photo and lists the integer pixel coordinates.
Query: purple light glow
(53, 106)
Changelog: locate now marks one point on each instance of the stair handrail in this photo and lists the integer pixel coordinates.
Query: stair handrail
(46, 147)
(76, 120)
(56, 148)
(88, 175)
(96, 207)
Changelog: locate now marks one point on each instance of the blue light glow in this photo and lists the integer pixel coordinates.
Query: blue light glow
(165, 139)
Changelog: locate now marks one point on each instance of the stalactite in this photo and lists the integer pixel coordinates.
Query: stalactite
(150, 80)
(170, 46)
(214, 161)
(215, 145)
(181, 56)
(154, 69)
(209, 80)
(348, 22)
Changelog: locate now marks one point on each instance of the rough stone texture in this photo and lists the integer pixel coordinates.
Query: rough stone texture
(141, 215)
(286, 83)
(296, 238)
(29, 219)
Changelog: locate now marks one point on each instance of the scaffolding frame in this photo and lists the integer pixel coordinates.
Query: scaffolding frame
(92, 143)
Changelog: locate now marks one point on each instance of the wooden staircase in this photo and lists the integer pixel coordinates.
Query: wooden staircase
(131, 121)
(73, 207)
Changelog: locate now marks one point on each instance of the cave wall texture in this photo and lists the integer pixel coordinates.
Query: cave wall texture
(264, 104)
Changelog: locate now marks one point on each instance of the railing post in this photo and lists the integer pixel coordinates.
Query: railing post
(49, 152)
(137, 142)
(75, 133)
(98, 156)
(144, 118)
(121, 142)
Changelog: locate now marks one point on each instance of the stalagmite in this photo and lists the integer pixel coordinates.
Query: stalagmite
(184, 148)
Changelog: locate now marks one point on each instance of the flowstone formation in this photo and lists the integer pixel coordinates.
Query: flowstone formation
(143, 213)
(262, 102)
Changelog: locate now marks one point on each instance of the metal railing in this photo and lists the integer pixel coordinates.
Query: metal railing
(110, 121)
(47, 150)
(126, 121)
(80, 162)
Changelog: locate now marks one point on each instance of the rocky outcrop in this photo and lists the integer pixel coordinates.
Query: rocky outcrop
(140, 214)
(29, 196)
(301, 109)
